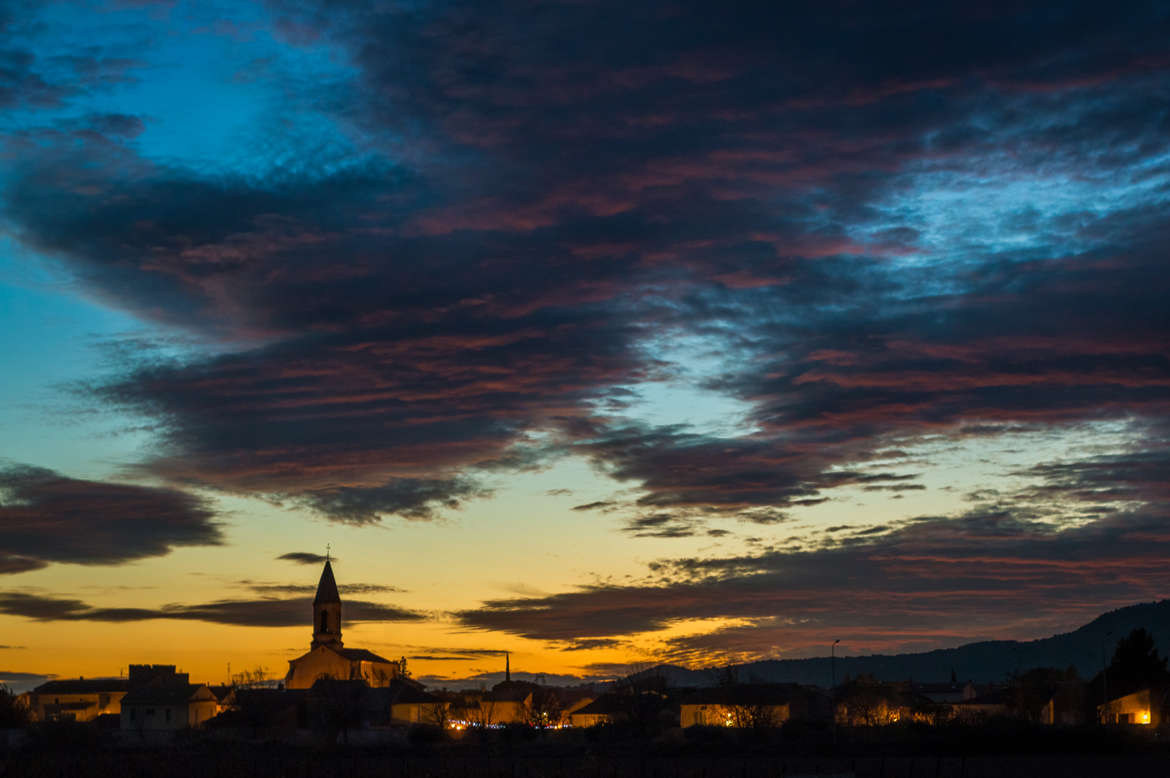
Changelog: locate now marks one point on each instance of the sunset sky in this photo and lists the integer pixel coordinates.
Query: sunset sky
(603, 333)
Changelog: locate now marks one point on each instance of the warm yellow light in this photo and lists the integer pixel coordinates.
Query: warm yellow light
(1145, 717)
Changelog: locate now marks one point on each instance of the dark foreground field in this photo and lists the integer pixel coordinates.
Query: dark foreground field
(262, 763)
(77, 751)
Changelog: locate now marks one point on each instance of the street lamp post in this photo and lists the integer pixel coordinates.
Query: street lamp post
(1105, 677)
(833, 660)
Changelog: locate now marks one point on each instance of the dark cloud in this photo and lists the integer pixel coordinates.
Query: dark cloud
(347, 589)
(413, 322)
(12, 675)
(590, 644)
(46, 517)
(885, 226)
(488, 679)
(253, 613)
(30, 80)
(660, 525)
(595, 505)
(1132, 476)
(19, 564)
(411, 498)
(444, 654)
(925, 581)
(304, 557)
(741, 476)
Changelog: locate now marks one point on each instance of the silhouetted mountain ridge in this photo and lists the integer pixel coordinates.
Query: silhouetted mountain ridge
(984, 661)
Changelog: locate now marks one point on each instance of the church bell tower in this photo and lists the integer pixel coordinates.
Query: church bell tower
(327, 611)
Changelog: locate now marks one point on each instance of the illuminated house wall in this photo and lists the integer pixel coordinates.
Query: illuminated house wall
(1131, 709)
(76, 700)
(715, 715)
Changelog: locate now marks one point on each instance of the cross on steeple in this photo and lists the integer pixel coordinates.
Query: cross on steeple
(328, 546)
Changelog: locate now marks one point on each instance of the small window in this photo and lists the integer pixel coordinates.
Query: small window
(324, 621)
(133, 715)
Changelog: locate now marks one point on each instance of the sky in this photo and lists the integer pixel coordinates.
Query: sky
(604, 334)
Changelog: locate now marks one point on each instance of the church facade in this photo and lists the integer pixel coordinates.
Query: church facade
(327, 656)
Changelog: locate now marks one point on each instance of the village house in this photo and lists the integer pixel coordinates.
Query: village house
(865, 702)
(506, 705)
(327, 656)
(508, 702)
(571, 708)
(356, 705)
(1066, 705)
(78, 699)
(606, 709)
(981, 707)
(947, 693)
(161, 699)
(410, 704)
(744, 706)
(1141, 707)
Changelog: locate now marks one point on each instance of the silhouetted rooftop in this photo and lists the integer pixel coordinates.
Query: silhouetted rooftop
(744, 694)
(83, 686)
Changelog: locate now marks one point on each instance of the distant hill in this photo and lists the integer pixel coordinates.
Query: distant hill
(989, 660)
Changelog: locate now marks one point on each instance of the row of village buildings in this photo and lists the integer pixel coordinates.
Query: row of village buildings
(157, 698)
(333, 686)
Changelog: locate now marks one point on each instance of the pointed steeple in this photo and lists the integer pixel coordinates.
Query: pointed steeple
(507, 667)
(327, 587)
(327, 610)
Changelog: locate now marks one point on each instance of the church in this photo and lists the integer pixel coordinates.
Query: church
(327, 657)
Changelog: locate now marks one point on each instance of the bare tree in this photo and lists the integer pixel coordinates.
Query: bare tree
(483, 715)
(438, 713)
(249, 679)
(544, 710)
(755, 715)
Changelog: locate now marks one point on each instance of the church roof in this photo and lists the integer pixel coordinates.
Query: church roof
(327, 587)
(360, 655)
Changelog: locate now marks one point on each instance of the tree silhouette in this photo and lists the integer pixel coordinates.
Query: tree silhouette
(12, 713)
(1136, 663)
